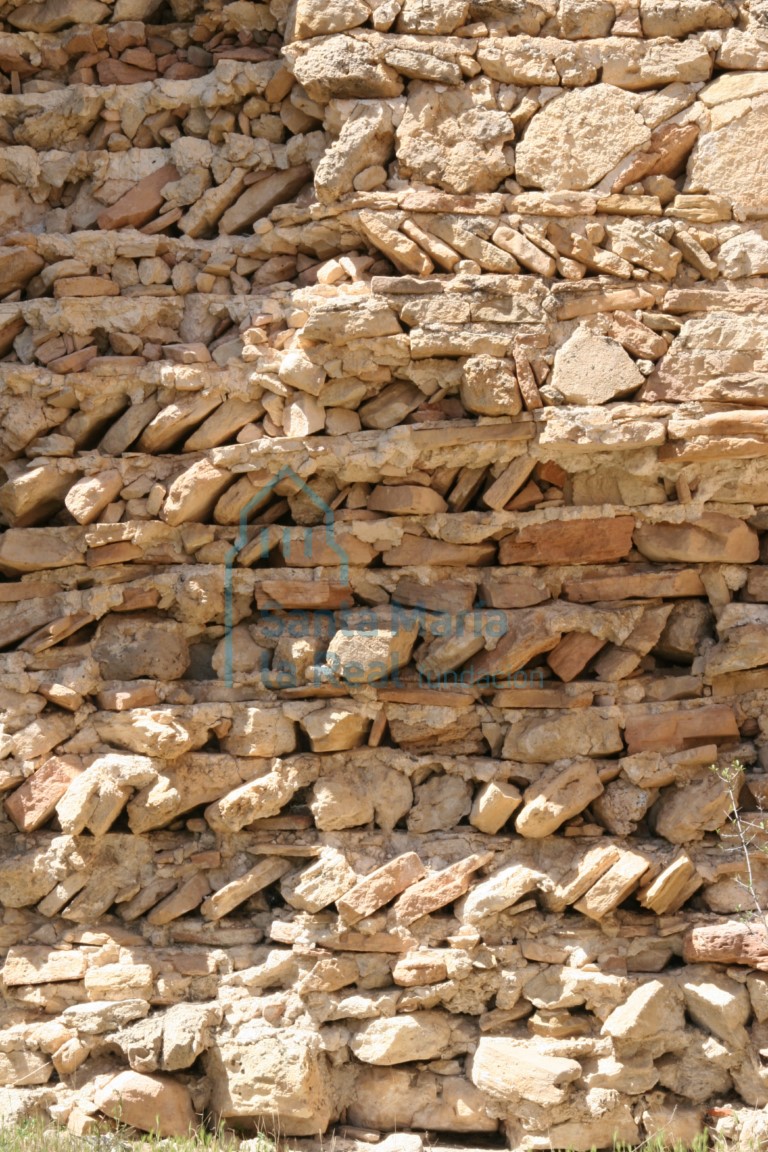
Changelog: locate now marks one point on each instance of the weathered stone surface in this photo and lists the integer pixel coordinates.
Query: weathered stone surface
(510, 1071)
(726, 162)
(557, 795)
(712, 538)
(128, 648)
(602, 127)
(454, 139)
(149, 1103)
(256, 1079)
(421, 1036)
(591, 369)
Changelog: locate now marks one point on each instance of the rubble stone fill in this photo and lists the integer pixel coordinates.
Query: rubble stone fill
(384, 568)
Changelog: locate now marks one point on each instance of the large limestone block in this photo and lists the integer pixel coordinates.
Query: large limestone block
(454, 138)
(559, 737)
(260, 732)
(489, 387)
(323, 17)
(684, 814)
(272, 1079)
(712, 539)
(716, 1003)
(255, 800)
(587, 541)
(730, 162)
(36, 964)
(367, 655)
(510, 1071)
(558, 794)
(343, 67)
(593, 369)
(129, 647)
(432, 17)
(578, 138)
(601, 1119)
(399, 1098)
(149, 1103)
(400, 1039)
(649, 1012)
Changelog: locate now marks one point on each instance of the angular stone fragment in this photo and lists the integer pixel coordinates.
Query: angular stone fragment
(266, 872)
(367, 138)
(31, 805)
(601, 125)
(193, 494)
(363, 657)
(570, 542)
(260, 732)
(186, 897)
(592, 369)
(432, 17)
(454, 139)
(271, 1078)
(119, 982)
(437, 890)
(682, 815)
(131, 647)
(613, 886)
(556, 796)
(650, 1011)
(36, 964)
(262, 197)
(311, 18)
(255, 800)
(561, 736)
(342, 67)
(88, 498)
(717, 1003)
(713, 538)
(335, 729)
(19, 264)
(321, 884)
(489, 387)
(440, 803)
(510, 1071)
(494, 803)
(419, 1036)
(141, 204)
(337, 802)
(150, 1103)
(379, 887)
(501, 890)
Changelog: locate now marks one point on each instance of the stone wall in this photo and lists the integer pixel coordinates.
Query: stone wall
(384, 393)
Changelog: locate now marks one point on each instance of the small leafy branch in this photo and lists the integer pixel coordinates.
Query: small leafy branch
(750, 834)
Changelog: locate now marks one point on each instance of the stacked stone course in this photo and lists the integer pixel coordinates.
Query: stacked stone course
(384, 565)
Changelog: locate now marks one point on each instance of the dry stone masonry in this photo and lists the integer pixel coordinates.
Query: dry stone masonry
(384, 564)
